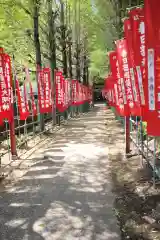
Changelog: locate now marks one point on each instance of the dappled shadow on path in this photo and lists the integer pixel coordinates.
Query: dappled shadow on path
(66, 194)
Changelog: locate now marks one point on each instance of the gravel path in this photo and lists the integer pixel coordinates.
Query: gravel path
(67, 193)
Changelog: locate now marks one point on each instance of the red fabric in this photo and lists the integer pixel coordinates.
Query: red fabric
(66, 97)
(22, 102)
(138, 43)
(63, 93)
(47, 90)
(110, 90)
(59, 86)
(128, 31)
(152, 31)
(6, 94)
(41, 97)
(122, 56)
(75, 86)
(119, 104)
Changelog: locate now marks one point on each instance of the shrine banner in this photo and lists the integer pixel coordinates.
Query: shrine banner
(113, 69)
(22, 101)
(128, 31)
(113, 61)
(69, 91)
(110, 91)
(59, 91)
(63, 93)
(66, 94)
(152, 36)
(138, 44)
(47, 90)
(113, 98)
(115, 72)
(83, 94)
(8, 75)
(41, 102)
(74, 92)
(79, 93)
(122, 56)
(6, 94)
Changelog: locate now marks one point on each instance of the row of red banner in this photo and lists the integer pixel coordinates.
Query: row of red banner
(68, 92)
(133, 85)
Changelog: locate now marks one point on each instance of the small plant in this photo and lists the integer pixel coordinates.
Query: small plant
(142, 130)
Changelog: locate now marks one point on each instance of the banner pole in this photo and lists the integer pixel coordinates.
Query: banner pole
(154, 164)
(127, 135)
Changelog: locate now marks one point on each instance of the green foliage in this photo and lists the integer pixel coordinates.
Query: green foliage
(97, 25)
(144, 129)
(98, 20)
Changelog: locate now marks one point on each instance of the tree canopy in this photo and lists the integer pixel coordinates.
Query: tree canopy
(80, 30)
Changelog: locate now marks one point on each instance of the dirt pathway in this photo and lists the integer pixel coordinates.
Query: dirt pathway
(67, 192)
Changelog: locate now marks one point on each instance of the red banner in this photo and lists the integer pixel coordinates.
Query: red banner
(59, 90)
(113, 69)
(69, 93)
(120, 97)
(138, 43)
(22, 101)
(63, 93)
(152, 30)
(41, 100)
(47, 90)
(128, 31)
(110, 90)
(81, 94)
(75, 88)
(122, 56)
(44, 90)
(6, 97)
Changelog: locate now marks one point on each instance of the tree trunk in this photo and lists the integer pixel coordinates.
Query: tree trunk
(78, 62)
(63, 40)
(38, 49)
(52, 53)
(70, 45)
(70, 58)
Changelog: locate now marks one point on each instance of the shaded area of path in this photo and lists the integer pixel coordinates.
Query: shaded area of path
(67, 192)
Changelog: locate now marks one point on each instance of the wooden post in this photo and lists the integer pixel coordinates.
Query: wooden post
(127, 135)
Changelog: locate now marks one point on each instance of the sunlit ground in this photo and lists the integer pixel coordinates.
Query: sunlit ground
(67, 194)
